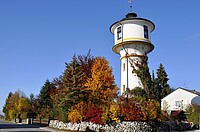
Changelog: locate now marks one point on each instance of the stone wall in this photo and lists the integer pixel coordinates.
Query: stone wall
(118, 127)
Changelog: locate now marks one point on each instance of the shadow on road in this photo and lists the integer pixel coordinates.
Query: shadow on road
(11, 126)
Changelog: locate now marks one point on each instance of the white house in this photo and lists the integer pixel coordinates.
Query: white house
(180, 99)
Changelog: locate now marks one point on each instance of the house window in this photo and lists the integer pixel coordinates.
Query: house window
(124, 67)
(119, 33)
(178, 103)
(146, 32)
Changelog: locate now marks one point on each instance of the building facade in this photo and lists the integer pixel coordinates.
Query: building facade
(180, 99)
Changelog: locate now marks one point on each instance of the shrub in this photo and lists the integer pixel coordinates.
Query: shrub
(94, 115)
(74, 116)
(78, 112)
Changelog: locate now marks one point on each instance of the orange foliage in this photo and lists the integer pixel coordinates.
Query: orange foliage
(101, 84)
(78, 112)
(131, 110)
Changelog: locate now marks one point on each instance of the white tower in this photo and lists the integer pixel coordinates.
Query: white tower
(132, 40)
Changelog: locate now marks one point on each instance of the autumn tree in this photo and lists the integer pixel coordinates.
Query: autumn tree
(17, 105)
(7, 107)
(86, 62)
(23, 106)
(101, 84)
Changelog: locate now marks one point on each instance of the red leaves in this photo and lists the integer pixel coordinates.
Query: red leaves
(94, 115)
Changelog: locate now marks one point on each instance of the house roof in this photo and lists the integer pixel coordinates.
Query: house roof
(191, 91)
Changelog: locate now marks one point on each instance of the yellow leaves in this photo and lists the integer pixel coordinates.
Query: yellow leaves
(111, 114)
(11, 113)
(101, 82)
(115, 112)
(78, 112)
(75, 116)
(23, 105)
(101, 74)
(17, 104)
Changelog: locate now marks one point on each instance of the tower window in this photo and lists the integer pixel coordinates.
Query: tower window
(124, 67)
(146, 32)
(119, 33)
(123, 88)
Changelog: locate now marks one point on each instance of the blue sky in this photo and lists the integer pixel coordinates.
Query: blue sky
(37, 37)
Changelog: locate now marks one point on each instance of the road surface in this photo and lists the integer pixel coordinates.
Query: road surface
(13, 127)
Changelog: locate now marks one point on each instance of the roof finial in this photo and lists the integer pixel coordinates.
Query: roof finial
(131, 7)
(131, 14)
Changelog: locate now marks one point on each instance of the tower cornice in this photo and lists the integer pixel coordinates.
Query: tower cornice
(132, 55)
(115, 47)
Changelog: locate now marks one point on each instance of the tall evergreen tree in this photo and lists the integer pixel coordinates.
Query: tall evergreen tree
(73, 79)
(44, 95)
(45, 103)
(155, 88)
(161, 82)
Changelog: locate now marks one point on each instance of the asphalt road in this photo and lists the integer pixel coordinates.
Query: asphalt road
(13, 127)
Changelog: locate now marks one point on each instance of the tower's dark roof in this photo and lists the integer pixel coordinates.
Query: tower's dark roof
(129, 15)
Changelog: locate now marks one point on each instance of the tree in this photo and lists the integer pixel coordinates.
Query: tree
(161, 83)
(23, 106)
(193, 115)
(145, 76)
(139, 92)
(13, 105)
(16, 106)
(86, 62)
(69, 87)
(58, 95)
(101, 84)
(45, 104)
(6, 107)
(73, 79)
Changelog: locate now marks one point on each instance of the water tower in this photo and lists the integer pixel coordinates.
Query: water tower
(132, 41)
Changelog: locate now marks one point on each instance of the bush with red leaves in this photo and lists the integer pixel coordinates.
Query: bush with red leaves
(94, 115)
